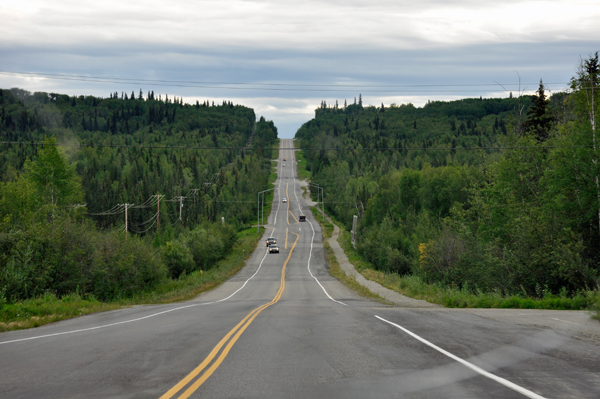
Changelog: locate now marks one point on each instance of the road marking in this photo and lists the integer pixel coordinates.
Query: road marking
(139, 318)
(293, 217)
(288, 203)
(309, 257)
(286, 235)
(240, 328)
(564, 321)
(311, 249)
(473, 367)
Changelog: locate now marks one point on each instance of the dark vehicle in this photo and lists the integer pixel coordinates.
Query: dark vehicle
(302, 218)
(271, 241)
(273, 249)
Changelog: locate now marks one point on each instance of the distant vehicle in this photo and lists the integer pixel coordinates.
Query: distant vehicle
(284, 165)
(271, 241)
(284, 200)
(285, 159)
(273, 248)
(302, 218)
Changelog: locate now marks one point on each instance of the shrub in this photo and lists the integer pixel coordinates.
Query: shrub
(124, 267)
(178, 258)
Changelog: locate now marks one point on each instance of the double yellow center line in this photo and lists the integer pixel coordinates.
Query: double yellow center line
(237, 330)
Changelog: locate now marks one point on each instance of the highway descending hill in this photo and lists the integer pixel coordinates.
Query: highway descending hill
(284, 328)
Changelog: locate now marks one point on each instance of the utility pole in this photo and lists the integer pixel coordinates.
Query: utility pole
(195, 194)
(323, 203)
(180, 199)
(322, 198)
(126, 226)
(354, 228)
(180, 207)
(159, 197)
(258, 218)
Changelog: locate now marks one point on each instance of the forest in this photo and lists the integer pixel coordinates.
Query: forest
(126, 191)
(488, 195)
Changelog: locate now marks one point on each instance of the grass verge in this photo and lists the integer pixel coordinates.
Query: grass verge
(454, 297)
(334, 266)
(275, 152)
(47, 309)
(301, 166)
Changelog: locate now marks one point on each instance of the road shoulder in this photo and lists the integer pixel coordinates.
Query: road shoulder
(376, 288)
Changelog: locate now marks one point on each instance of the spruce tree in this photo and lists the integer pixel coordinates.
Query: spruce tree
(539, 120)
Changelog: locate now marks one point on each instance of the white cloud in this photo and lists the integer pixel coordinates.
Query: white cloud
(385, 43)
(298, 24)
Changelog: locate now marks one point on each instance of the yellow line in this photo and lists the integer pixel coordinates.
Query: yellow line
(206, 361)
(288, 205)
(294, 217)
(286, 234)
(247, 320)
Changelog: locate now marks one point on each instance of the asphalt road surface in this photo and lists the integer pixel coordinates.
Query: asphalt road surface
(284, 328)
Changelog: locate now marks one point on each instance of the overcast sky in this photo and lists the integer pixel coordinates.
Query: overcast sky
(283, 58)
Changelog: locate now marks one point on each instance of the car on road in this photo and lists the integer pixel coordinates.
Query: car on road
(284, 200)
(302, 218)
(285, 159)
(273, 249)
(271, 241)
(284, 165)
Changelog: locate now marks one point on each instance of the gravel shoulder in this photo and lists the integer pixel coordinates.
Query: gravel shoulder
(577, 324)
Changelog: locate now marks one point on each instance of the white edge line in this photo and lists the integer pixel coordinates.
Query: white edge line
(564, 321)
(473, 367)
(139, 318)
(165, 311)
(311, 246)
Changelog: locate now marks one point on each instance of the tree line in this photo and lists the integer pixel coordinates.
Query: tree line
(97, 152)
(485, 194)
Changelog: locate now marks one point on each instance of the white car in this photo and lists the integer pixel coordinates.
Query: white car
(284, 200)
(284, 165)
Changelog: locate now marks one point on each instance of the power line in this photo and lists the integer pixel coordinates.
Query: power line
(271, 84)
(302, 87)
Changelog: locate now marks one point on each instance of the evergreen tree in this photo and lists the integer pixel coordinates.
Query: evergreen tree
(539, 120)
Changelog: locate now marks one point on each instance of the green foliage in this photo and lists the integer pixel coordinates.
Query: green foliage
(48, 307)
(66, 256)
(52, 176)
(50, 247)
(198, 249)
(119, 175)
(524, 221)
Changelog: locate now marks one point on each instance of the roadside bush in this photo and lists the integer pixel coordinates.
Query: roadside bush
(208, 243)
(178, 258)
(123, 267)
(66, 257)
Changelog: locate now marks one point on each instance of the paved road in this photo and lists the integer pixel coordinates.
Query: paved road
(283, 327)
